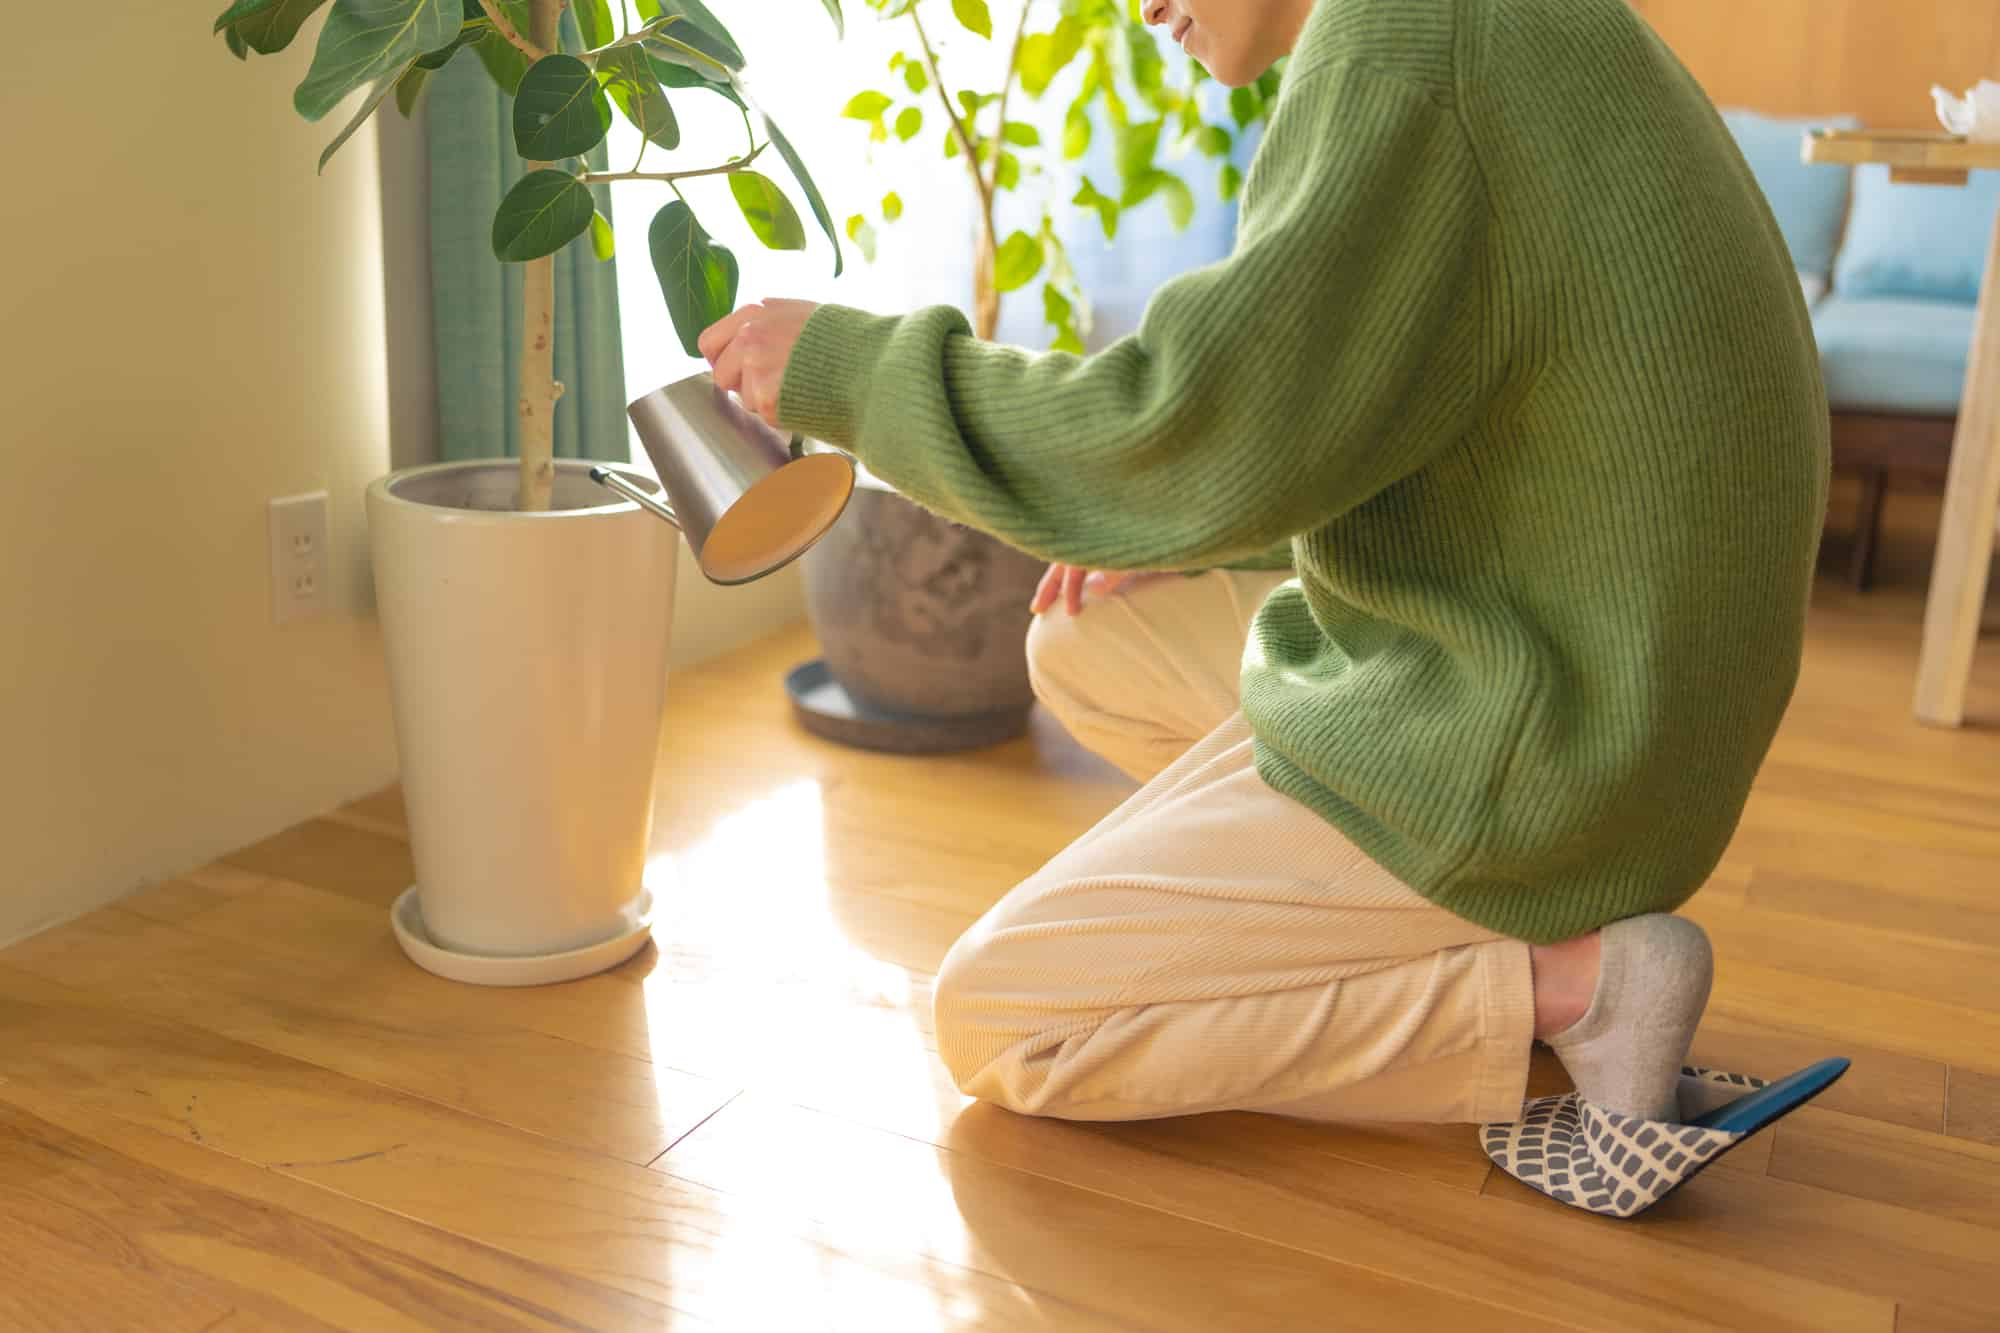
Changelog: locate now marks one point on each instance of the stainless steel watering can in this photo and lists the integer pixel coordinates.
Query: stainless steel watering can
(749, 500)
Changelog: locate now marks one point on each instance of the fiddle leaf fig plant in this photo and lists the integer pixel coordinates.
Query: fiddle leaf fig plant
(1123, 91)
(633, 55)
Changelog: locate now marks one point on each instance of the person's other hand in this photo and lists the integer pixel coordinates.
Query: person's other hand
(1069, 582)
(749, 350)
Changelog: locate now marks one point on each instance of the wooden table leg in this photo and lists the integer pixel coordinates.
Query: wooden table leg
(1965, 537)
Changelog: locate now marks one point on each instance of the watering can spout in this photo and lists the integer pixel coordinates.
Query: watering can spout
(748, 500)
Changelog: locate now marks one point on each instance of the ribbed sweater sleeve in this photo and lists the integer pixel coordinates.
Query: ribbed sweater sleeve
(1261, 397)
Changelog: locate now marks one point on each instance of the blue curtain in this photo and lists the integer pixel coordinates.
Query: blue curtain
(476, 299)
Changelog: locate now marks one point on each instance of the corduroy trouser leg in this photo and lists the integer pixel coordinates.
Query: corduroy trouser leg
(1214, 945)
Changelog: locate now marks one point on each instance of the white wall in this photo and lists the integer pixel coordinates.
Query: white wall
(191, 323)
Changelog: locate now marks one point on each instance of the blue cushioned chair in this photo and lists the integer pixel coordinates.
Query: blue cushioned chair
(1892, 275)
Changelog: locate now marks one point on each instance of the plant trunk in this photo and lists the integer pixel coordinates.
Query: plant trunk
(539, 389)
(985, 296)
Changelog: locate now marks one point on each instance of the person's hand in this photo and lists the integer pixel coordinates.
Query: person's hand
(749, 350)
(1069, 582)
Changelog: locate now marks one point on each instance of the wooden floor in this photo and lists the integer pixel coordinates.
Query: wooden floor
(228, 1102)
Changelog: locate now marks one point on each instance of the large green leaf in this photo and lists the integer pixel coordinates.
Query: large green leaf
(1017, 261)
(805, 180)
(545, 211)
(593, 21)
(698, 28)
(506, 62)
(560, 111)
(366, 39)
(839, 23)
(266, 26)
(697, 277)
(628, 76)
(974, 15)
(768, 212)
(383, 87)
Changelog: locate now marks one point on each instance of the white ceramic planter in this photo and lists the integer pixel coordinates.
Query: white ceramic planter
(528, 667)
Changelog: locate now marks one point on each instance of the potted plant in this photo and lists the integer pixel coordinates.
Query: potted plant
(525, 610)
(917, 616)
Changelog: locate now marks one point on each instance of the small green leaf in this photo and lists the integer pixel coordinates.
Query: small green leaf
(234, 41)
(1231, 183)
(1017, 261)
(1067, 341)
(438, 59)
(560, 111)
(603, 243)
(1136, 146)
(627, 75)
(914, 77)
(1214, 141)
(1056, 308)
(892, 206)
(1045, 54)
(1180, 200)
(1021, 135)
(805, 180)
(839, 23)
(862, 235)
(363, 40)
(672, 75)
(770, 215)
(1076, 133)
(1138, 189)
(909, 123)
(593, 21)
(697, 277)
(1242, 106)
(383, 86)
(866, 106)
(972, 101)
(1107, 208)
(1007, 174)
(897, 61)
(545, 211)
(974, 15)
(265, 26)
(951, 143)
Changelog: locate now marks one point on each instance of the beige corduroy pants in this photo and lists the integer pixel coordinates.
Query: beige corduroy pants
(1212, 944)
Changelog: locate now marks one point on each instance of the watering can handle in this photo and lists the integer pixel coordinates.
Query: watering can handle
(606, 477)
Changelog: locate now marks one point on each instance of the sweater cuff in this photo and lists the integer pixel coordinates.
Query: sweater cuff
(826, 380)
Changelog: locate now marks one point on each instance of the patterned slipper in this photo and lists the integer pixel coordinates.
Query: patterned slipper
(1619, 1166)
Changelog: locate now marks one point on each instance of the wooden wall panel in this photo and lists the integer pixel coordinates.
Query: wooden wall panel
(1874, 58)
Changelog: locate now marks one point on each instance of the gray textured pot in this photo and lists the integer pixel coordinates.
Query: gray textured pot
(917, 615)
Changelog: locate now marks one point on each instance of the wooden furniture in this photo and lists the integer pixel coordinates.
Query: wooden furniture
(1972, 482)
(1875, 446)
(230, 1097)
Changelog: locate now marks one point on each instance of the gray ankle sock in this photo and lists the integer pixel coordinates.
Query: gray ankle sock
(1625, 1053)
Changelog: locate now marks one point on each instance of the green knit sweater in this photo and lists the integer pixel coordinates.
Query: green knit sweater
(1510, 347)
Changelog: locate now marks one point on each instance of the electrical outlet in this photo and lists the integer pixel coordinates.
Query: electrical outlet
(298, 557)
